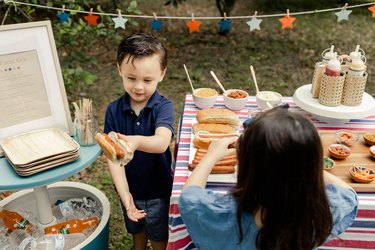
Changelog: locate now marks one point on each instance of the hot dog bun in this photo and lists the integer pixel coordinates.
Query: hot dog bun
(129, 152)
(203, 139)
(117, 150)
(218, 115)
(214, 128)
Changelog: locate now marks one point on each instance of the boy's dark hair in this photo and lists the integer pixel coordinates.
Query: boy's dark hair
(280, 174)
(141, 45)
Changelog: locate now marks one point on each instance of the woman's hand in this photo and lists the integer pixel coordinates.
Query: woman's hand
(131, 211)
(218, 149)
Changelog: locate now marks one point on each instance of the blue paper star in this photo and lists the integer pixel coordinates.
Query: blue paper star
(254, 23)
(63, 17)
(225, 25)
(156, 24)
(343, 15)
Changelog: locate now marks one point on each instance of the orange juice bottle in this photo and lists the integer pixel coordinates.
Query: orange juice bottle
(71, 226)
(13, 220)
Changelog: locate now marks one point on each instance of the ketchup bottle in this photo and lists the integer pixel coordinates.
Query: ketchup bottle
(333, 67)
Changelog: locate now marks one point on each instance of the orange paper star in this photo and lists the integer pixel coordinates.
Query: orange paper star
(92, 20)
(287, 22)
(193, 25)
(372, 9)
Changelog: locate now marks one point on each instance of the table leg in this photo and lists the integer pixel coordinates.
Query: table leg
(44, 206)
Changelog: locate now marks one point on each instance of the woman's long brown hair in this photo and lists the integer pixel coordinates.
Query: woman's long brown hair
(280, 174)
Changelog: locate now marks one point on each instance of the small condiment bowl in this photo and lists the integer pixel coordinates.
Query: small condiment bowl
(328, 164)
(362, 174)
(372, 151)
(369, 138)
(339, 151)
(205, 98)
(270, 97)
(346, 137)
(235, 99)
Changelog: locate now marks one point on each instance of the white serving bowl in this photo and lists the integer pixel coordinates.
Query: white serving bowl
(271, 97)
(204, 98)
(233, 101)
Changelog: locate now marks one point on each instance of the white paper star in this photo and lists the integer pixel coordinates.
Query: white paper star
(254, 23)
(343, 15)
(119, 22)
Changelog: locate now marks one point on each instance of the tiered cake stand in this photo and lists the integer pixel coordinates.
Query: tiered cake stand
(334, 115)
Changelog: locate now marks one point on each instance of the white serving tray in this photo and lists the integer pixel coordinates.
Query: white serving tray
(212, 178)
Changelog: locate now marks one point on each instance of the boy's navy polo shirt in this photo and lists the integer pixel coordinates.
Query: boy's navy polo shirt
(149, 175)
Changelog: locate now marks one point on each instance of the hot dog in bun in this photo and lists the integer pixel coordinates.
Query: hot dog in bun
(117, 150)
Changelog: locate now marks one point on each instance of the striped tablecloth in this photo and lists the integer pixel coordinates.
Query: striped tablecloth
(361, 235)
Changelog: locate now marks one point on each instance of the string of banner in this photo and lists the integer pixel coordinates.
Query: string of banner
(120, 20)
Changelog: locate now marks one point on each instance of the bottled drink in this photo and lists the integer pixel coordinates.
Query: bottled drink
(5, 246)
(71, 226)
(57, 241)
(20, 238)
(13, 220)
(76, 208)
(24, 241)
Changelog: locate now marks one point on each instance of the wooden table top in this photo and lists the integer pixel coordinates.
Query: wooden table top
(360, 154)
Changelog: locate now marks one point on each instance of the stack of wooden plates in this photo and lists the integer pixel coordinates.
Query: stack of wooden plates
(36, 151)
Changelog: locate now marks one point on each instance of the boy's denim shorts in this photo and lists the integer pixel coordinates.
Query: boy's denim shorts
(155, 224)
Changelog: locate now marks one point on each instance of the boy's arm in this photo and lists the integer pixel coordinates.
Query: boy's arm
(122, 187)
(157, 143)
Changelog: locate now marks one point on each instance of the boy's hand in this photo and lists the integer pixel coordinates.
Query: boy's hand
(131, 211)
(133, 141)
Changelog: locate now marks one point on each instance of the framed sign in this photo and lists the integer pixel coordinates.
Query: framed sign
(32, 92)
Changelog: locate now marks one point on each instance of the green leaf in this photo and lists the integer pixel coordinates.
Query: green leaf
(89, 78)
(132, 6)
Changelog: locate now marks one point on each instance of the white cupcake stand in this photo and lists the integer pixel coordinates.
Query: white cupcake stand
(334, 115)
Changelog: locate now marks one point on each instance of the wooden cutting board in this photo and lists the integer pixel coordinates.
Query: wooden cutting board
(360, 154)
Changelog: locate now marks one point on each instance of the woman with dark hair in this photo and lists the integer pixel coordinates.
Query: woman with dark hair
(282, 200)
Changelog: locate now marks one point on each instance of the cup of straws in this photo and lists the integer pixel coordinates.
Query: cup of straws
(85, 124)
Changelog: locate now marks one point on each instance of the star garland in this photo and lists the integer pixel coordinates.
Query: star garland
(156, 24)
(287, 21)
(343, 14)
(194, 25)
(119, 21)
(254, 23)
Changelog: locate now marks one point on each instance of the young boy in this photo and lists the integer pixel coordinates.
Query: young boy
(145, 119)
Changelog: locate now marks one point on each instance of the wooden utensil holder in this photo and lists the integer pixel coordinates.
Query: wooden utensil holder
(317, 78)
(331, 89)
(353, 90)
